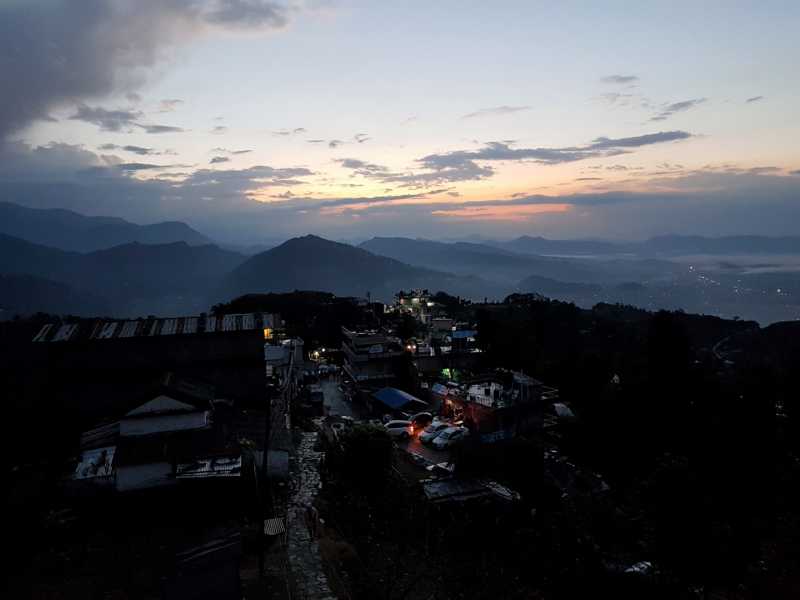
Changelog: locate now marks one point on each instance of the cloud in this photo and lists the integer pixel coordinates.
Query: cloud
(140, 150)
(620, 79)
(495, 111)
(219, 159)
(754, 99)
(335, 143)
(247, 14)
(797, 172)
(219, 130)
(285, 132)
(117, 120)
(316, 141)
(498, 151)
(169, 104)
(135, 166)
(361, 167)
(59, 52)
(361, 137)
(711, 201)
(226, 183)
(107, 120)
(670, 109)
(232, 152)
(161, 129)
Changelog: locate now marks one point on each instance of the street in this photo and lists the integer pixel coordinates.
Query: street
(335, 404)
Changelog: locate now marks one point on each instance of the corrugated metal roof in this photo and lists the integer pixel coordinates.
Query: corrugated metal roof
(64, 333)
(154, 327)
(164, 423)
(396, 399)
(107, 331)
(129, 329)
(190, 325)
(159, 405)
(169, 327)
(42, 335)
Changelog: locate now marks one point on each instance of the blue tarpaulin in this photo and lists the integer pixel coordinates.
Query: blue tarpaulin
(397, 399)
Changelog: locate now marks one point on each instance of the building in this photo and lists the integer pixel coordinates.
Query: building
(416, 303)
(370, 357)
(177, 435)
(499, 405)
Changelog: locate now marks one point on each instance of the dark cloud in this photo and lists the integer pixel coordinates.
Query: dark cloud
(161, 128)
(219, 159)
(140, 150)
(57, 52)
(589, 179)
(495, 111)
(219, 130)
(248, 13)
(334, 143)
(620, 79)
(107, 120)
(497, 151)
(241, 181)
(797, 172)
(316, 141)
(670, 109)
(361, 167)
(117, 120)
(754, 99)
(361, 138)
(134, 166)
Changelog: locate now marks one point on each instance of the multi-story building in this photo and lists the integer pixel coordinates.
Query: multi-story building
(370, 357)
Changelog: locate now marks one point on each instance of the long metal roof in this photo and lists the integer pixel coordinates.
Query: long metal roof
(126, 329)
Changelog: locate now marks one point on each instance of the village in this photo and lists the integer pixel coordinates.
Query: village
(242, 452)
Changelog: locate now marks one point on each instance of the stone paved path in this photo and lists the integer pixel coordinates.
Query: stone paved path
(304, 556)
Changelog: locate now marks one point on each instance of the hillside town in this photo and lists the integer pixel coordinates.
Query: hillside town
(362, 450)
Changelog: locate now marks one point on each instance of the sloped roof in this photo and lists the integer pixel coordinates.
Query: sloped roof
(160, 404)
(396, 399)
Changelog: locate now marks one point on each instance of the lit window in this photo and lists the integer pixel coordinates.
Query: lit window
(267, 333)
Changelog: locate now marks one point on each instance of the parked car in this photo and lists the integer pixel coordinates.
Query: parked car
(448, 437)
(400, 429)
(421, 420)
(431, 431)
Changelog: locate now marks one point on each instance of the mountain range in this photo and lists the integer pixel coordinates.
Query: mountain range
(169, 268)
(69, 230)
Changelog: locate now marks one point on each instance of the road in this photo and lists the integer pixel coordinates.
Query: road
(335, 404)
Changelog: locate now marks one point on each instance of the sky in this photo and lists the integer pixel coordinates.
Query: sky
(256, 120)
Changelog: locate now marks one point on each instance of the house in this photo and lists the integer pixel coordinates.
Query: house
(178, 434)
(499, 405)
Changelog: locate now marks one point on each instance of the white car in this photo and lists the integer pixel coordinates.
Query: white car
(448, 437)
(431, 431)
(400, 429)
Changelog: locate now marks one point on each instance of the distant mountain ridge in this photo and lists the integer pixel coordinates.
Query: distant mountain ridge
(131, 278)
(314, 263)
(68, 230)
(664, 245)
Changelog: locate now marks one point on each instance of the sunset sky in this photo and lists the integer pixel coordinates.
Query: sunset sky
(255, 120)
